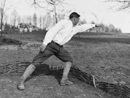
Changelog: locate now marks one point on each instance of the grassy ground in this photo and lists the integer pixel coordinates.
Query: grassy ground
(105, 56)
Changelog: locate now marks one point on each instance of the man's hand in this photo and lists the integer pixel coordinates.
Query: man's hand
(97, 25)
(42, 48)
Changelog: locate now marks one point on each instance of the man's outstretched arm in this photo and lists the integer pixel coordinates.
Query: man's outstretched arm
(84, 27)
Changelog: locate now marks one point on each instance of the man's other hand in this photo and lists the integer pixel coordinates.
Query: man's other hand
(42, 48)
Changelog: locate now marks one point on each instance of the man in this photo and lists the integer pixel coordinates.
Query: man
(53, 43)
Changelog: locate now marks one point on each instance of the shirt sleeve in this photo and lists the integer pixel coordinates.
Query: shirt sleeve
(83, 27)
(53, 31)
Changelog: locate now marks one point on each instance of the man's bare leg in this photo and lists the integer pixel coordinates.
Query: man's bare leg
(64, 80)
(30, 69)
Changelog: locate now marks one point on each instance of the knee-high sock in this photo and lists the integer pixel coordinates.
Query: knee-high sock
(66, 70)
(30, 69)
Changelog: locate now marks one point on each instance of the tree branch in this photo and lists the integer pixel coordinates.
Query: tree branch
(125, 4)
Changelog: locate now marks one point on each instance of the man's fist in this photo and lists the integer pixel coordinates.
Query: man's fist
(97, 25)
(42, 48)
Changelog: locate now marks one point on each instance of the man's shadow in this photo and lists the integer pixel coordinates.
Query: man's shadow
(44, 69)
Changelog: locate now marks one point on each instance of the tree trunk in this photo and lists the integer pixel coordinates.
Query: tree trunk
(1, 25)
(56, 20)
(1, 22)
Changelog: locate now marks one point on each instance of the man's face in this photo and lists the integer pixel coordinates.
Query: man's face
(75, 21)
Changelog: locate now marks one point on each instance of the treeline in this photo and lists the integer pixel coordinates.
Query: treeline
(106, 29)
(103, 28)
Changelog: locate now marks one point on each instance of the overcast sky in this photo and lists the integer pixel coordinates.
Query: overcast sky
(89, 9)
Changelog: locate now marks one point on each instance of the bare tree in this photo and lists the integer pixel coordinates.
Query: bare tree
(5, 5)
(19, 19)
(48, 5)
(29, 19)
(40, 21)
(14, 19)
(47, 21)
(54, 4)
(35, 19)
(124, 4)
(2, 8)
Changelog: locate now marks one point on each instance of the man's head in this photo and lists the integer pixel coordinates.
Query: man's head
(74, 17)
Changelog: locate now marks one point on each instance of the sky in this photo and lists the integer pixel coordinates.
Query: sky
(90, 10)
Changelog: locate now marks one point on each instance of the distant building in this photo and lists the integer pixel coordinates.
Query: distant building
(27, 27)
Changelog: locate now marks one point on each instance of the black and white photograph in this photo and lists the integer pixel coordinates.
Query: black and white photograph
(64, 48)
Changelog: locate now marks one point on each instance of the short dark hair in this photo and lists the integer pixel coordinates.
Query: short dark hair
(74, 14)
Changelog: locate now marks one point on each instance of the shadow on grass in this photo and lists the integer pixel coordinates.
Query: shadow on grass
(9, 41)
(45, 69)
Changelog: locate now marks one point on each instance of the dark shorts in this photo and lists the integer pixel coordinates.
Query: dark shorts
(52, 49)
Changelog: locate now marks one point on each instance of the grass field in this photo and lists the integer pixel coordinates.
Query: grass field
(106, 56)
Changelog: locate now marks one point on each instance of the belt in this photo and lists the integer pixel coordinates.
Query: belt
(57, 44)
